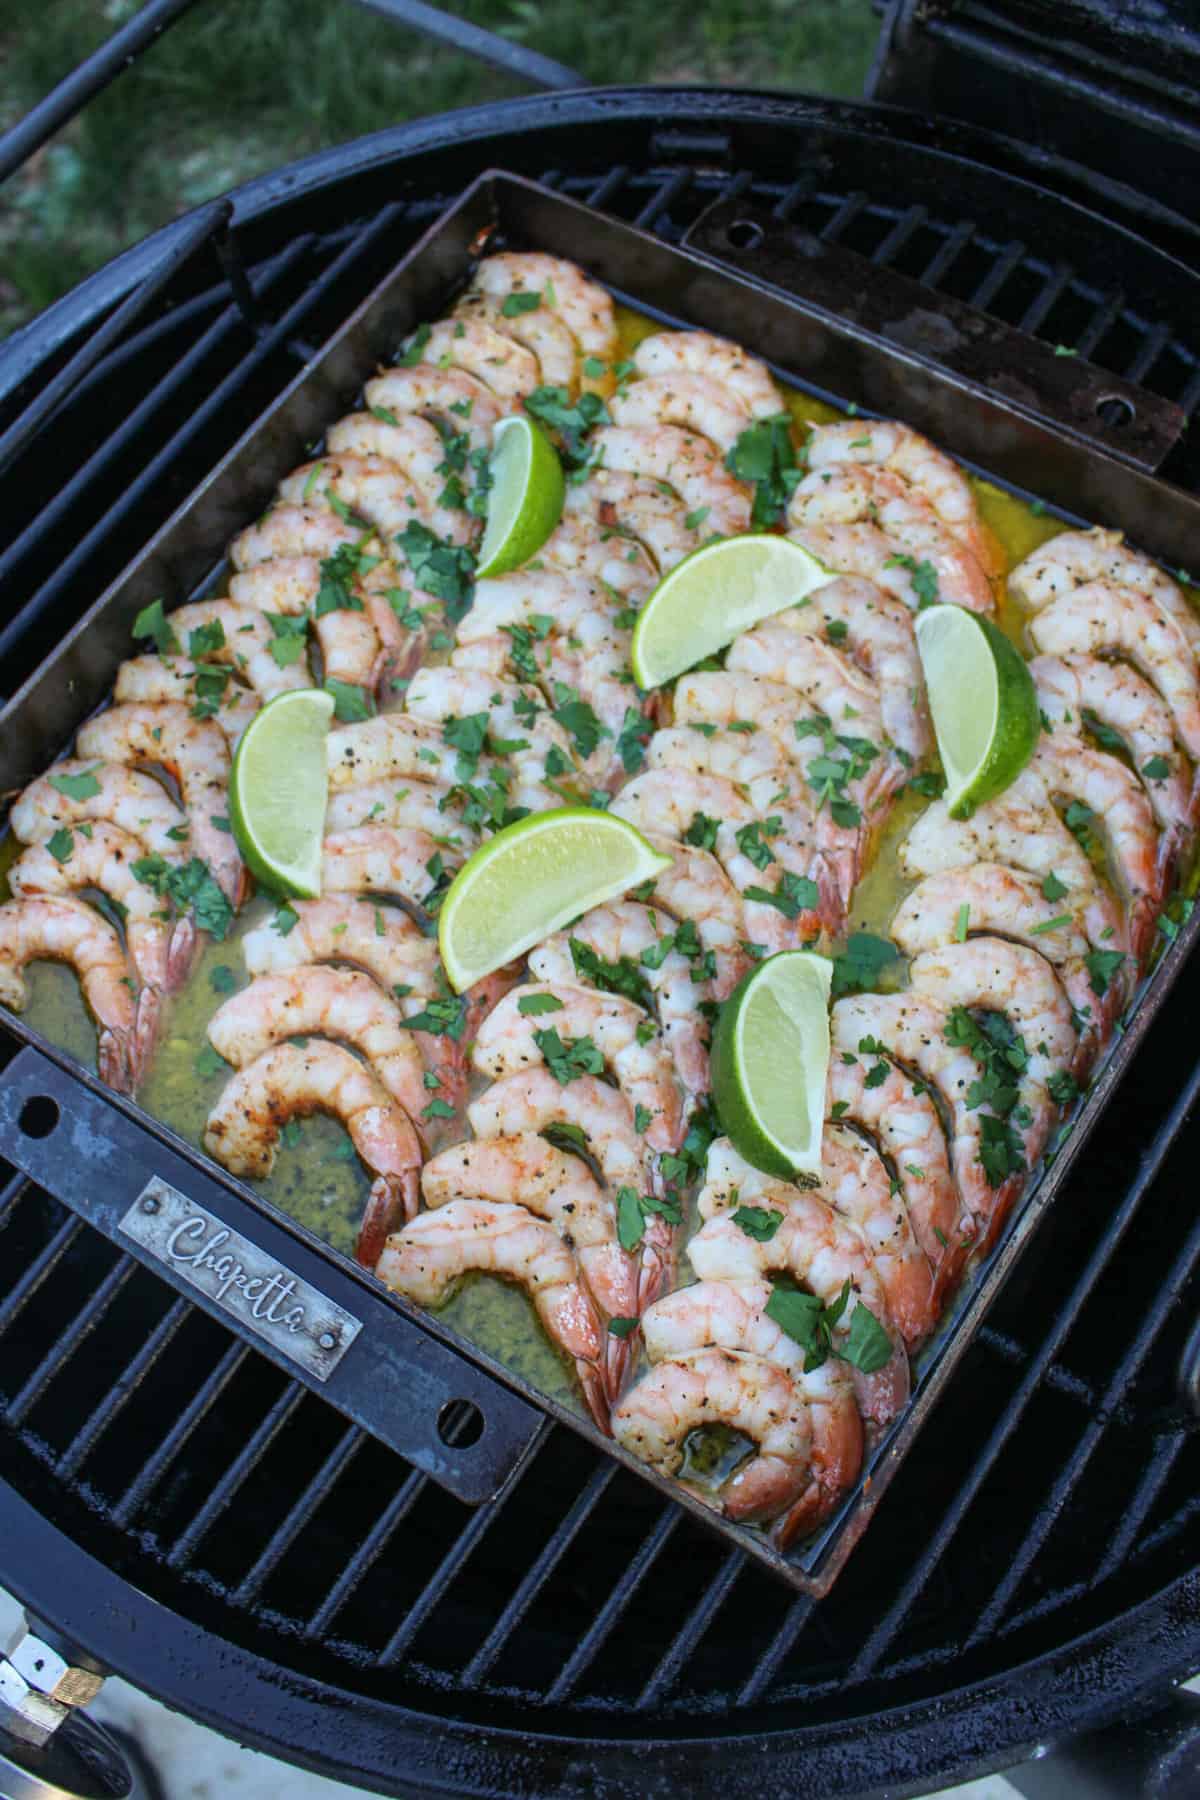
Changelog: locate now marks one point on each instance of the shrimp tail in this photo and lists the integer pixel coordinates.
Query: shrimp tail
(147, 1020)
(594, 1382)
(489, 992)
(882, 1394)
(116, 1060)
(392, 1202)
(617, 1358)
(803, 1517)
(657, 1272)
(181, 952)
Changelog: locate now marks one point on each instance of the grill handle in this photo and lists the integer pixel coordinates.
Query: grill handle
(986, 359)
(342, 1338)
(1154, 1758)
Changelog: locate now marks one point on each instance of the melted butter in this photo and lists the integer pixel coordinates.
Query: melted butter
(317, 1180)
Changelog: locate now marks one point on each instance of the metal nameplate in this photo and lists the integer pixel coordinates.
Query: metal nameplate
(264, 1296)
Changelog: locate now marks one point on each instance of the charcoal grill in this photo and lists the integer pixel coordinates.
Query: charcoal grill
(195, 1519)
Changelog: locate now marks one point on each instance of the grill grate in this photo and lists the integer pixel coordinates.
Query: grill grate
(140, 1425)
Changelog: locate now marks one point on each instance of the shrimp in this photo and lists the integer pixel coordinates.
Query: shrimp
(380, 493)
(290, 1081)
(239, 637)
(686, 462)
(506, 368)
(431, 1254)
(418, 450)
(1101, 618)
(1122, 813)
(76, 792)
(828, 681)
(1020, 829)
(293, 531)
(822, 1251)
(379, 859)
(674, 802)
(384, 942)
(699, 402)
(553, 344)
(449, 397)
(195, 754)
(729, 1315)
(66, 930)
(532, 1100)
(727, 1387)
(582, 304)
(426, 806)
(208, 692)
(1076, 692)
(901, 1119)
(619, 935)
(696, 887)
(351, 649)
(578, 546)
(530, 595)
(508, 1040)
(1012, 979)
(335, 1003)
(389, 746)
(877, 631)
(912, 1029)
(635, 511)
(700, 353)
(1076, 558)
(441, 694)
(987, 897)
(105, 860)
(925, 470)
(864, 549)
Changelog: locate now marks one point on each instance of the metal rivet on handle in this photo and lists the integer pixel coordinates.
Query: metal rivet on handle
(327, 1340)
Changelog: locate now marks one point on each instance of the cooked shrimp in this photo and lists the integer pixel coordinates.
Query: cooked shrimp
(729, 1315)
(507, 368)
(414, 805)
(195, 754)
(441, 694)
(290, 1082)
(379, 492)
(336, 1003)
(66, 930)
(828, 681)
(696, 887)
(507, 1041)
(387, 747)
(582, 304)
(1020, 829)
(1012, 979)
(532, 1100)
(1074, 691)
(673, 801)
(450, 397)
(1075, 558)
(531, 594)
(1102, 618)
(379, 859)
(866, 550)
(619, 934)
(417, 448)
(700, 353)
(243, 639)
(432, 1253)
(101, 791)
(351, 648)
(104, 860)
(699, 402)
(687, 463)
(726, 1387)
(579, 546)
(901, 1118)
(912, 1029)
(1123, 815)
(823, 1251)
(553, 344)
(338, 928)
(557, 1187)
(877, 631)
(208, 692)
(637, 510)
(987, 897)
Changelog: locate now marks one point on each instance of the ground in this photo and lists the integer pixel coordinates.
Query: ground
(236, 87)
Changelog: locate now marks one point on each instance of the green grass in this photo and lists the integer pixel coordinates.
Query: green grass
(238, 86)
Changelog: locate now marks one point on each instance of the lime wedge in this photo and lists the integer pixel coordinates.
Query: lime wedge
(277, 791)
(532, 878)
(525, 501)
(715, 594)
(770, 1062)
(984, 704)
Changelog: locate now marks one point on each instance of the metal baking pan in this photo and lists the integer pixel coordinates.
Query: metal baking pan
(983, 398)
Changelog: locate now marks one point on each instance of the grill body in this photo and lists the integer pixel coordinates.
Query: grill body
(251, 1557)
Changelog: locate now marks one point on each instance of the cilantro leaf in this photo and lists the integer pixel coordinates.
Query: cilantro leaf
(765, 455)
(513, 305)
(151, 622)
(350, 702)
(61, 844)
(551, 406)
(77, 787)
(532, 1004)
(446, 571)
(861, 963)
(758, 1222)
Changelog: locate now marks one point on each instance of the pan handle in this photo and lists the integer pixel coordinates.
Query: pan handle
(982, 354)
(350, 1345)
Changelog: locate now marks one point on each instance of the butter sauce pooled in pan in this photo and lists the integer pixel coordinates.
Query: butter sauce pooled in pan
(534, 1145)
